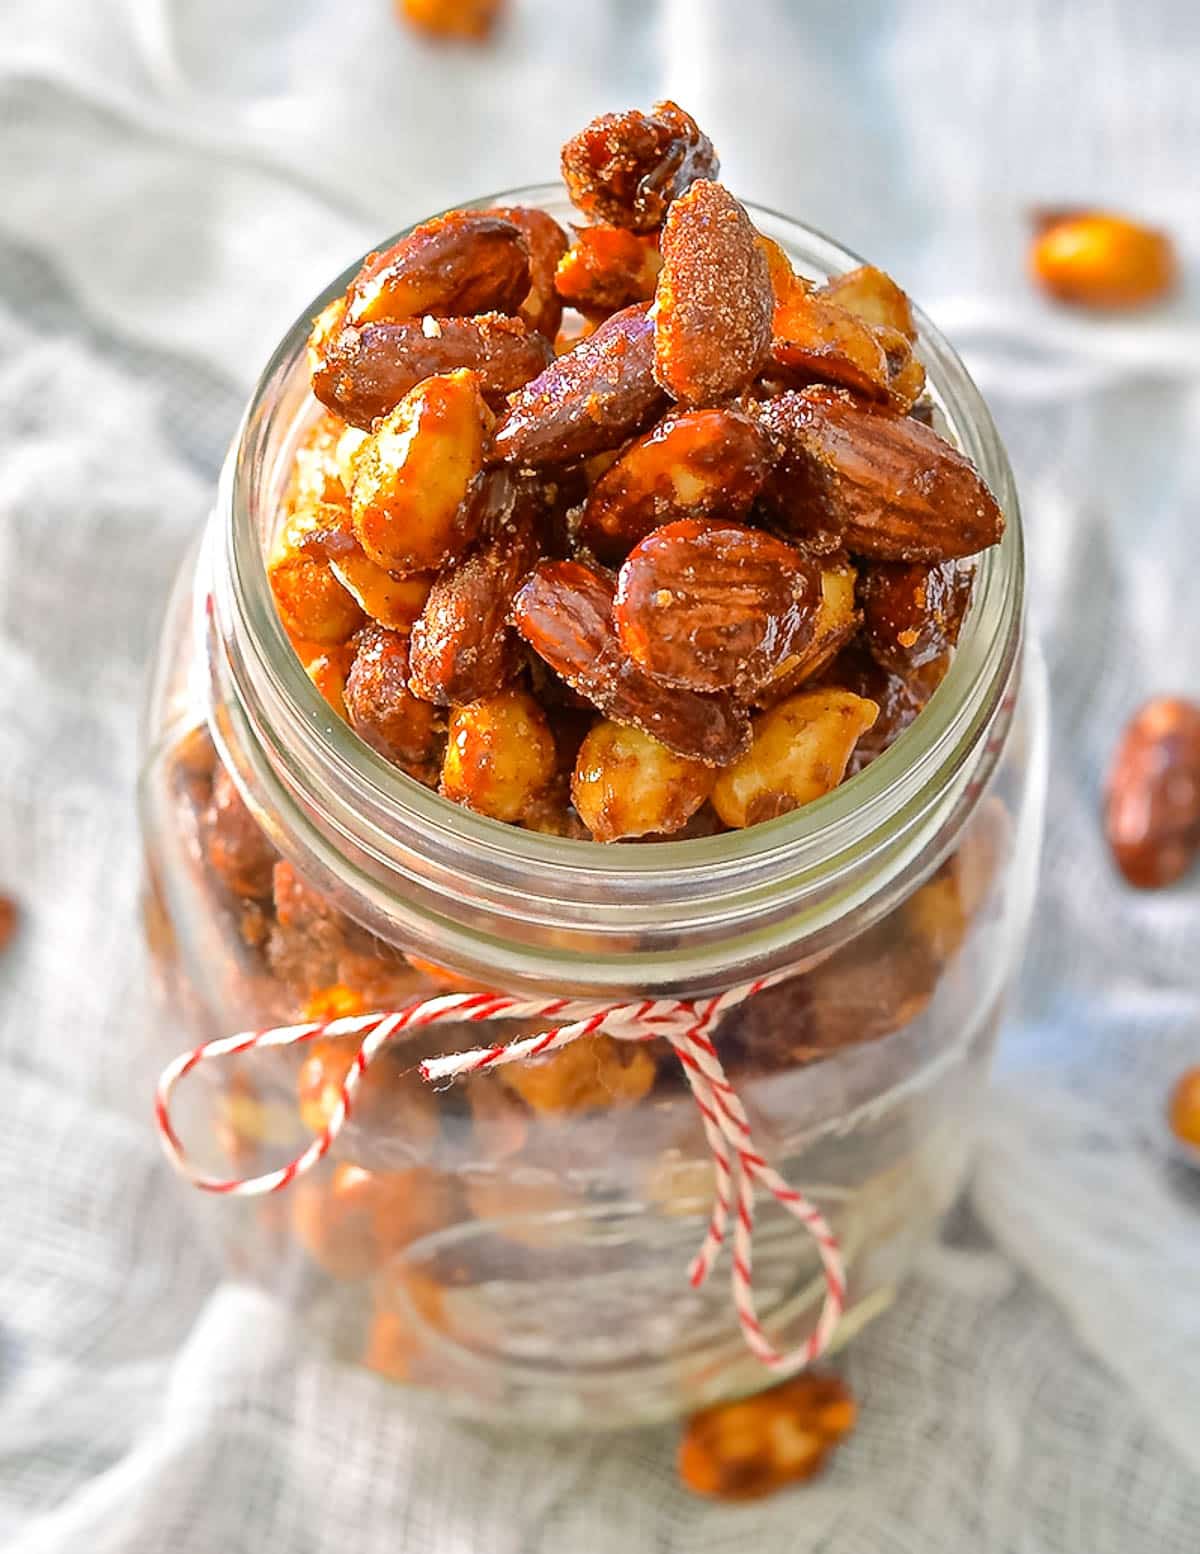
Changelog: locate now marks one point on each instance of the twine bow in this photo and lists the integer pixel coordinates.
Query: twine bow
(685, 1025)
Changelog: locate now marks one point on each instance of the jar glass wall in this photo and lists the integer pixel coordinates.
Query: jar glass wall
(518, 1242)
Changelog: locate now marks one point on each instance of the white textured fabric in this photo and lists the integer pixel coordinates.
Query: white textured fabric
(178, 177)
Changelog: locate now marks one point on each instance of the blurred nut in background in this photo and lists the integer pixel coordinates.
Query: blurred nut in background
(1152, 818)
(470, 19)
(1098, 260)
(9, 918)
(1183, 1111)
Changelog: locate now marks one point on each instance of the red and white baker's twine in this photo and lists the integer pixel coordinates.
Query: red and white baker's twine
(738, 1165)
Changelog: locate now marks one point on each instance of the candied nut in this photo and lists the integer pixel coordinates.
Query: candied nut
(388, 1101)
(836, 621)
(499, 1119)
(237, 851)
(912, 613)
(1152, 816)
(391, 601)
(593, 1072)
(411, 1302)
(317, 477)
(872, 295)
(366, 372)
(528, 1209)
(713, 303)
(899, 697)
(463, 648)
(304, 946)
(327, 668)
(813, 338)
(627, 784)
(413, 474)
(893, 489)
(384, 712)
(798, 752)
(354, 1221)
(1100, 260)
(464, 262)
(626, 168)
(906, 375)
(1183, 1109)
(744, 1450)
(542, 307)
(499, 755)
(312, 603)
(593, 397)
(607, 268)
(936, 917)
(326, 326)
(574, 329)
(878, 983)
(471, 20)
(714, 606)
(10, 918)
(693, 464)
(564, 611)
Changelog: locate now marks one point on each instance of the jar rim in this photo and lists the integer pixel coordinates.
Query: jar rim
(302, 763)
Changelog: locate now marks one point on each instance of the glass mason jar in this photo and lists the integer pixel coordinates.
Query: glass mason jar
(517, 1242)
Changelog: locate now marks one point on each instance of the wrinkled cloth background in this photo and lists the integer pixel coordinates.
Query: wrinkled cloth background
(177, 178)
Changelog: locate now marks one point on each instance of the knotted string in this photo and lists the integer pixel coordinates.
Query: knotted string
(684, 1024)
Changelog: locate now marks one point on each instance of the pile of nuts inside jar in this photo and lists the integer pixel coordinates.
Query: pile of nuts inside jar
(672, 566)
(629, 533)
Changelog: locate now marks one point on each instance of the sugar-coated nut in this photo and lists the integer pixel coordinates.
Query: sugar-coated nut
(751, 1448)
(595, 1072)
(365, 373)
(413, 474)
(542, 308)
(408, 1303)
(1099, 260)
(464, 262)
(499, 755)
(383, 711)
(936, 917)
(237, 851)
(327, 667)
(317, 469)
(872, 295)
(1183, 1110)
(564, 610)
(354, 1221)
(798, 753)
(591, 398)
(813, 338)
(715, 606)
(1152, 814)
(394, 602)
(312, 603)
(899, 697)
(889, 486)
(912, 613)
(713, 303)
(693, 464)
(607, 268)
(462, 646)
(627, 784)
(527, 1208)
(626, 168)
(836, 621)
(390, 1103)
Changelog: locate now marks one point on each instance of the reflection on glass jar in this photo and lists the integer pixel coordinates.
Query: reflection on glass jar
(518, 1241)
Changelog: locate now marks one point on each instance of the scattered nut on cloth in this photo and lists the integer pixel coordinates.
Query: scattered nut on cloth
(1037, 1385)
